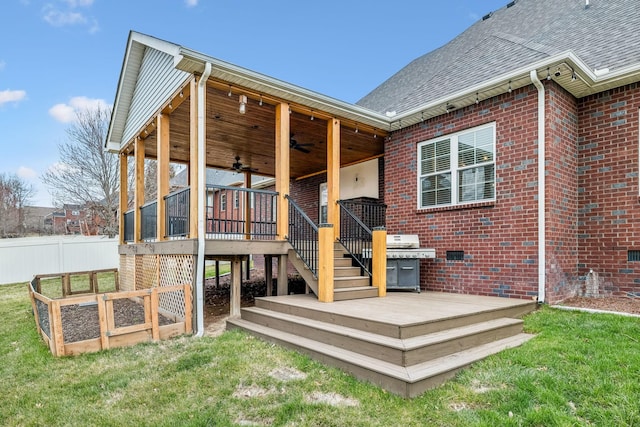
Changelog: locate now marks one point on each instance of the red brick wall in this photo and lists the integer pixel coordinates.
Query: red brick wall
(499, 239)
(561, 194)
(609, 207)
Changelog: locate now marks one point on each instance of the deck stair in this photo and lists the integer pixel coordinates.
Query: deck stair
(348, 281)
(406, 353)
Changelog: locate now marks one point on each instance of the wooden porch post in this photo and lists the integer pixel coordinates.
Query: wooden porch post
(379, 260)
(268, 274)
(282, 170)
(247, 205)
(283, 276)
(236, 286)
(139, 190)
(124, 193)
(162, 171)
(333, 176)
(193, 159)
(325, 263)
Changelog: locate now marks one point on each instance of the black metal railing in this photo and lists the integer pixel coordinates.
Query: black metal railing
(129, 226)
(148, 221)
(356, 237)
(303, 236)
(373, 214)
(177, 213)
(227, 212)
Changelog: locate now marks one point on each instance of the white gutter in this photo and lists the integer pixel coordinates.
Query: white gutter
(199, 291)
(542, 223)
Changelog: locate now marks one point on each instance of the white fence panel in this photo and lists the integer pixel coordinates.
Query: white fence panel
(21, 259)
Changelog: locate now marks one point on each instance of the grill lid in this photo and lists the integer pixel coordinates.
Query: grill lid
(402, 241)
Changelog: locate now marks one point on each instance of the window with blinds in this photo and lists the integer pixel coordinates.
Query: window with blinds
(458, 168)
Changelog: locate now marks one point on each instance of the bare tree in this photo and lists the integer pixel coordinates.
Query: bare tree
(15, 193)
(87, 174)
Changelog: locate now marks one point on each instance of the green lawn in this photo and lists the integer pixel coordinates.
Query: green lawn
(581, 369)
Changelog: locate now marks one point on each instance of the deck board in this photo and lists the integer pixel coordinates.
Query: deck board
(405, 308)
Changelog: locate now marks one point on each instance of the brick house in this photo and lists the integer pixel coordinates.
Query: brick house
(512, 150)
(465, 168)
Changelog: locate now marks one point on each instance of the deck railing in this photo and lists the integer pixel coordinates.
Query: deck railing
(177, 213)
(303, 236)
(228, 215)
(372, 214)
(231, 219)
(129, 228)
(149, 219)
(356, 237)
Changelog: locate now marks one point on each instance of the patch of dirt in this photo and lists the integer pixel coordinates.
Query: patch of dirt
(80, 322)
(618, 304)
(216, 298)
(253, 390)
(287, 374)
(331, 399)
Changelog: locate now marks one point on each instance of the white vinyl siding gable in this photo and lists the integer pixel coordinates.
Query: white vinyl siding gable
(457, 168)
(157, 81)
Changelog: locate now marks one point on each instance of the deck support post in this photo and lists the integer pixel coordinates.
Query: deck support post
(379, 260)
(325, 262)
(162, 171)
(282, 170)
(247, 206)
(283, 276)
(236, 287)
(268, 274)
(124, 193)
(139, 190)
(333, 175)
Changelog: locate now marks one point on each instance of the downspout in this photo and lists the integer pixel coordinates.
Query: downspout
(199, 294)
(542, 249)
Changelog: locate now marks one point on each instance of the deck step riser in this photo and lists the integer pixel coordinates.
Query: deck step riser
(346, 272)
(344, 294)
(331, 318)
(350, 282)
(397, 354)
(407, 382)
(395, 331)
(342, 262)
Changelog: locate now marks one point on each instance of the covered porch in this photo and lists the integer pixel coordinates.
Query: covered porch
(212, 115)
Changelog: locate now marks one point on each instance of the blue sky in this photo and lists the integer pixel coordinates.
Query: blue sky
(59, 55)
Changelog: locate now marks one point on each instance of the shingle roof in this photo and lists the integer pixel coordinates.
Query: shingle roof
(603, 35)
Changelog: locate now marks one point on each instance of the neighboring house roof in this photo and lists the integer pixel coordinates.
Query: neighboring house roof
(524, 33)
(219, 177)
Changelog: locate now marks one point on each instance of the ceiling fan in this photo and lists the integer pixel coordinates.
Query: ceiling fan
(297, 146)
(237, 166)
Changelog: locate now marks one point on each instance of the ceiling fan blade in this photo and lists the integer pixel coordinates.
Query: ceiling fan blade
(301, 148)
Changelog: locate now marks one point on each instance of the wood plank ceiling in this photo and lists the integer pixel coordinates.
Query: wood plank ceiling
(251, 136)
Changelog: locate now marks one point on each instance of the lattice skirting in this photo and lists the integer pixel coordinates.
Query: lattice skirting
(147, 271)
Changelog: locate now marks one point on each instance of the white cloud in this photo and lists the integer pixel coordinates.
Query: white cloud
(68, 14)
(59, 18)
(27, 173)
(79, 3)
(66, 113)
(7, 96)
(2, 65)
(191, 3)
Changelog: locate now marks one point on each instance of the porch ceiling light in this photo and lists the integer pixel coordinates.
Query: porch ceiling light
(243, 104)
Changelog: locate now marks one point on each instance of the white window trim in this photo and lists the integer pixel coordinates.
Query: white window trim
(223, 201)
(453, 137)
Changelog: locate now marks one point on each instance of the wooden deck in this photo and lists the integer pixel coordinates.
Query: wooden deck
(405, 342)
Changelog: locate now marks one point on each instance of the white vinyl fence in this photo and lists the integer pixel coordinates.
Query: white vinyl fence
(21, 259)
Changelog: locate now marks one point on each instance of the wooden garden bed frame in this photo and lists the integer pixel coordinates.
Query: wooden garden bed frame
(110, 335)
